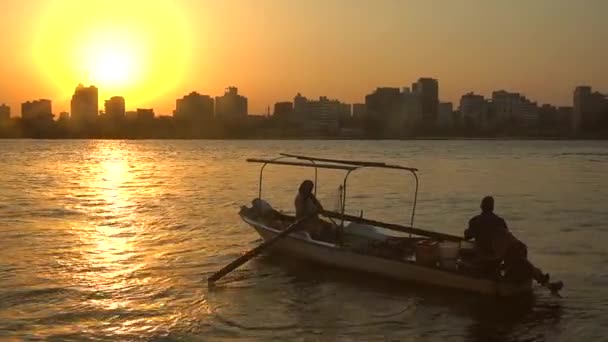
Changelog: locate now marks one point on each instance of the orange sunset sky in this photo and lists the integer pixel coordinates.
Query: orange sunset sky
(154, 51)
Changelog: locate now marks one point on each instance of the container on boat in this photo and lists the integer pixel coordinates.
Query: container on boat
(427, 252)
(448, 255)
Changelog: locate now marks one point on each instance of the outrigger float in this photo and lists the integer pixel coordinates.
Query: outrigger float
(366, 245)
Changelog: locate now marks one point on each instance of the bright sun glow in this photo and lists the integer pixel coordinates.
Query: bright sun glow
(113, 58)
(136, 49)
(112, 67)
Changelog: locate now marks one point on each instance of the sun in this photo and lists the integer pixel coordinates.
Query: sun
(137, 49)
(112, 58)
(112, 67)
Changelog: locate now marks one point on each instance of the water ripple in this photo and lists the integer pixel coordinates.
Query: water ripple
(114, 240)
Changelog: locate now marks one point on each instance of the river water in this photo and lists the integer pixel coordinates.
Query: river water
(113, 240)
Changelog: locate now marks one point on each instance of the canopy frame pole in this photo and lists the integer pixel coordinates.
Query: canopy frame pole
(415, 198)
(364, 164)
(262, 176)
(354, 165)
(344, 198)
(316, 180)
(278, 158)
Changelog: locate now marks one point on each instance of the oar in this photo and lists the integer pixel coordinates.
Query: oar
(257, 250)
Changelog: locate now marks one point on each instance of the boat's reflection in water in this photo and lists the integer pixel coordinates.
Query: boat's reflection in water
(369, 303)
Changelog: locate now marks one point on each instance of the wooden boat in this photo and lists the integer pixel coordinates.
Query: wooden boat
(389, 250)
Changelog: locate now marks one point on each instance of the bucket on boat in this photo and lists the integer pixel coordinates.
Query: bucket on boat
(448, 255)
(427, 252)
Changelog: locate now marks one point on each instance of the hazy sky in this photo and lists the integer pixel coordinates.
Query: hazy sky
(154, 51)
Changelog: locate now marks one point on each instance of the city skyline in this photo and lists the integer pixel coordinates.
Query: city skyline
(542, 49)
(388, 112)
(268, 109)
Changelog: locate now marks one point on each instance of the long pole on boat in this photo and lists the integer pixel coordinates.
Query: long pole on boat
(257, 250)
(392, 226)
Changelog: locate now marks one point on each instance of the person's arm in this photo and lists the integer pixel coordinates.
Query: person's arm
(299, 205)
(471, 232)
(316, 202)
(504, 224)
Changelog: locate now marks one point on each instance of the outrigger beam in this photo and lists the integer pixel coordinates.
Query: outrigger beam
(391, 226)
(351, 162)
(321, 166)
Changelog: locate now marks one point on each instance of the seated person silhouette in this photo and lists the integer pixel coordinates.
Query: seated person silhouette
(307, 205)
(496, 247)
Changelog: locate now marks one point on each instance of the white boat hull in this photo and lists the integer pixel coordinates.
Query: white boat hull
(301, 245)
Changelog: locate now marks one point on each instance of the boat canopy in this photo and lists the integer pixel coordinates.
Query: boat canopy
(334, 164)
(322, 166)
(351, 162)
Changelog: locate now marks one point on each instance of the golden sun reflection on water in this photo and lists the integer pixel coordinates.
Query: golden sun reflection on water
(108, 237)
(117, 247)
(111, 235)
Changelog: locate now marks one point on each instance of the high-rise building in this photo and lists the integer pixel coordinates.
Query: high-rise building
(5, 112)
(514, 108)
(590, 110)
(344, 111)
(411, 109)
(564, 115)
(322, 115)
(64, 117)
(85, 104)
(115, 107)
(383, 109)
(131, 115)
(300, 106)
(392, 111)
(383, 102)
(527, 115)
(283, 110)
(551, 117)
(445, 117)
(359, 111)
(231, 106)
(473, 110)
(504, 104)
(428, 91)
(37, 110)
(194, 107)
(145, 114)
